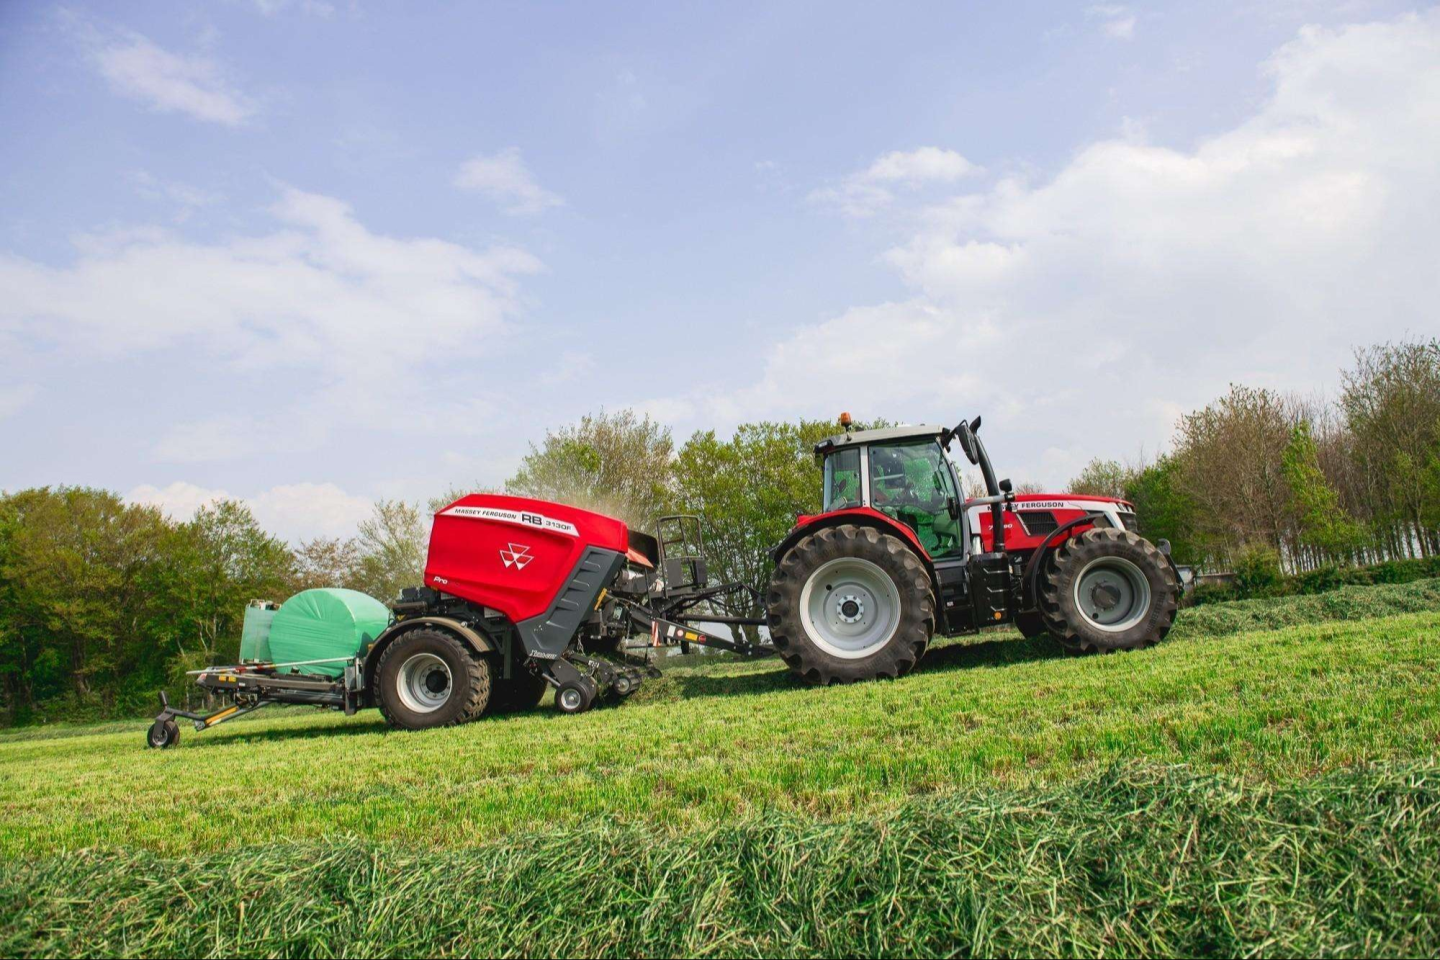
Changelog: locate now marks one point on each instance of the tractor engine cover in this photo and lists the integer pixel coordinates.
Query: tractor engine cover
(530, 559)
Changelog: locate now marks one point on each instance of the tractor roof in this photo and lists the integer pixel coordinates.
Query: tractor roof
(855, 438)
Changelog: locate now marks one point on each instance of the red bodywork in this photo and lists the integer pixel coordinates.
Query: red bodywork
(1064, 506)
(513, 553)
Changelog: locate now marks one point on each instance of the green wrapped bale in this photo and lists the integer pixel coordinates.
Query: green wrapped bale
(255, 633)
(324, 624)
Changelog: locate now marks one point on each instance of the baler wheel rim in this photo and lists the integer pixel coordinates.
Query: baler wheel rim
(416, 684)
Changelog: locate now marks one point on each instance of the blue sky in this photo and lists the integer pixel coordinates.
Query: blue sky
(309, 254)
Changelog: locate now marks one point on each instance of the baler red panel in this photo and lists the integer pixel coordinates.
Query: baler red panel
(513, 553)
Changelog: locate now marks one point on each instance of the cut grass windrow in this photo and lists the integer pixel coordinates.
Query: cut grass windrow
(1129, 861)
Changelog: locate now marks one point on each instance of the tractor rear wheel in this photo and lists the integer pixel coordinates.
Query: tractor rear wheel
(850, 603)
(429, 678)
(1107, 590)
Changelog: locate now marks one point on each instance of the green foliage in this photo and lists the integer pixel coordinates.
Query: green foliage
(1391, 404)
(1134, 861)
(748, 489)
(224, 561)
(1257, 572)
(1164, 507)
(1324, 579)
(1324, 526)
(104, 599)
(1102, 478)
(391, 549)
(614, 463)
(325, 562)
(86, 583)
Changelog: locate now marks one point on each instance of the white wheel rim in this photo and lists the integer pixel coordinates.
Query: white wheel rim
(570, 699)
(424, 683)
(850, 608)
(1112, 594)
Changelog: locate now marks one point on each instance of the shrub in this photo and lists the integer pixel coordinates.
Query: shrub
(1257, 573)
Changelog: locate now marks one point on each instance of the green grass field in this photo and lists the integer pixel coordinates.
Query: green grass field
(1263, 782)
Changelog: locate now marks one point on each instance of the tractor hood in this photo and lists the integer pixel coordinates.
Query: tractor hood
(1050, 501)
(1033, 516)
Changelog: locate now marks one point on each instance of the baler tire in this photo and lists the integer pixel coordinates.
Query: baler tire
(469, 673)
(1064, 570)
(583, 691)
(785, 597)
(523, 691)
(162, 735)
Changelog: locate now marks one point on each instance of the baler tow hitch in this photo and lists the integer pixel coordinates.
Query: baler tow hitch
(667, 633)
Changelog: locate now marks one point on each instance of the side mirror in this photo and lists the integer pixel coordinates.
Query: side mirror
(966, 436)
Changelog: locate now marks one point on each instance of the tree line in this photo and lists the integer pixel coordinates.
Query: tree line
(1303, 481)
(103, 602)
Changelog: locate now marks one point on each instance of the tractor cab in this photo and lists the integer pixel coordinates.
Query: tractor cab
(904, 473)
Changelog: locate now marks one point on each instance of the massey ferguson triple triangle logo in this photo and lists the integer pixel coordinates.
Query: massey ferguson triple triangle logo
(517, 556)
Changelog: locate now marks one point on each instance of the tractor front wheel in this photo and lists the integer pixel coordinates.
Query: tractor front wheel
(850, 603)
(1108, 590)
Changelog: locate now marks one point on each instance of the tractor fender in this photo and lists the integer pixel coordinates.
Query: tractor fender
(473, 638)
(859, 516)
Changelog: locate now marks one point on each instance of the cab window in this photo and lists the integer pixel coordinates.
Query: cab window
(842, 479)
(911, 483)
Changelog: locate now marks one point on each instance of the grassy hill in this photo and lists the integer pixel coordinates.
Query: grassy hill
(1263, 782)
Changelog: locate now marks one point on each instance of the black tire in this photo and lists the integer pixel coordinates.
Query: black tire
(575, 696)
(523, 691)
(465, 683)
(1031, 624)
(1060, 583)
(624, 685)
(162, 735)
(914, 622)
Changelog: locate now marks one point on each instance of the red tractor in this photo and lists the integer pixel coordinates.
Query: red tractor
(523, 595)
(898, 555)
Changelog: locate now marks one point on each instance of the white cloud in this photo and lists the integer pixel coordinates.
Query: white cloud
(16, 397)
(1117, 21)
(314, 8)
(184, 197)
(355, 315)
(866, 191)
(504, 178)
(920, 166)
(290, 511)
(1083, 311)
(170, 82)
(179, 500)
